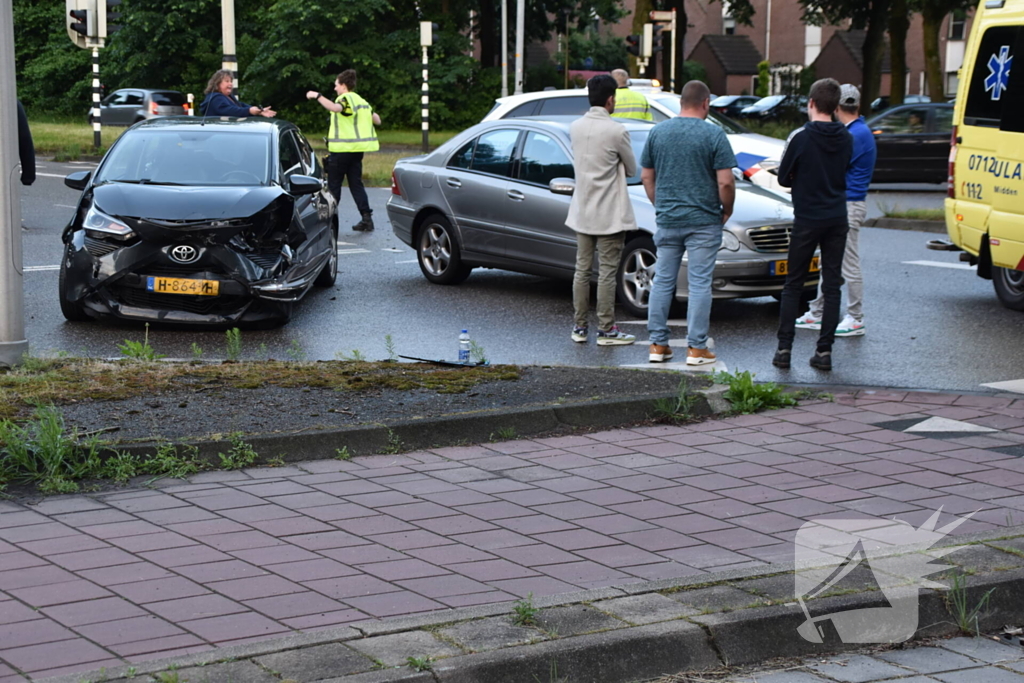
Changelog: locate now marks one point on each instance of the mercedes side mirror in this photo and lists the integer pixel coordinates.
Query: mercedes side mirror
(564, 186)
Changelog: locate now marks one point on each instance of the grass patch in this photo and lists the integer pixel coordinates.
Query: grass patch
(69, 141)
(64, 380)
(525, 614)
(678, 408)
(747, 397)
(917, 214)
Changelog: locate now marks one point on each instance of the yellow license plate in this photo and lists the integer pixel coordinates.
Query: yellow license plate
(179, 285)
(782, 267)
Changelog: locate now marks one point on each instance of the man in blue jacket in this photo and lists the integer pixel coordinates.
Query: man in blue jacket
(858, 176)
(220, 101)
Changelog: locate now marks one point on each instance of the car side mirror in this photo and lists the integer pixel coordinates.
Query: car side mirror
(564, 186)
(303, 184)
(79, 180)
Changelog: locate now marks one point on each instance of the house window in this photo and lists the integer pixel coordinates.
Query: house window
(957, 20)
(952, 81)
(728, 22)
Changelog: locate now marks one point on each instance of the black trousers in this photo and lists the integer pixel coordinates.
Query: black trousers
(342, 165)
(802, 243)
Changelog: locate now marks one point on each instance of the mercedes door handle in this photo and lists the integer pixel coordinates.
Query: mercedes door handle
(454, 182)
(516, 195)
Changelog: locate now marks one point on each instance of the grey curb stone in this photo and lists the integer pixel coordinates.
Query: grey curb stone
(907, 224)
(624, 655)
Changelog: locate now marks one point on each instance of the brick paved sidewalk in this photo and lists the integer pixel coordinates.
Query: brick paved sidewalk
(230, 557)
(958, 660)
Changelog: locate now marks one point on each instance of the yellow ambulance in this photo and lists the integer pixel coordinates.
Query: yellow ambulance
(985, 199)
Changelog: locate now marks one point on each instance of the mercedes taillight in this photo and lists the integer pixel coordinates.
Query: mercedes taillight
(951, 182)
(395, 189)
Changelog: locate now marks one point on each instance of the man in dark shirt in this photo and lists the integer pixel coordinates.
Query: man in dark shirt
(814, 165)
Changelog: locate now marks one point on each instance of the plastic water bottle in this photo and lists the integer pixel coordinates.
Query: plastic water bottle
(464, 347)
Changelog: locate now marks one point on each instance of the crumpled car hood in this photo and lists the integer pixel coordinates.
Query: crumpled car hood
(173, 203)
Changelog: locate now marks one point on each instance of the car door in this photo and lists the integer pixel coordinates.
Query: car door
(133, 107)
(112, 106)
(534, 216)
(936, 146)
(474, 183)
(900, 137)
(290, 162)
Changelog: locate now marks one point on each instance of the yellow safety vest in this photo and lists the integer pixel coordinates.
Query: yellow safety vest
(631, 105)
(353, 133)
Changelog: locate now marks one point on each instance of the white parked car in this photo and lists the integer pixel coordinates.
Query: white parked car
(755, 153)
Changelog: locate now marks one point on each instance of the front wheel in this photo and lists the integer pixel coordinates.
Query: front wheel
(329, 274)
(438, 252)
(1009, 286)
(72, 310)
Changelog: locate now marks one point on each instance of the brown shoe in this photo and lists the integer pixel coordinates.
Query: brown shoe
(699, 356)
(660, 353)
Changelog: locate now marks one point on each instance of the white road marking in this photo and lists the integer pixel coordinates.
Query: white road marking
(52, 175)
(940, 264)
(944, 424)
(411, 261)
(353, 251)
(346, 244)
(1014, 385)
(37, 269)
(393, 250)
(677, 322)
(66, 206)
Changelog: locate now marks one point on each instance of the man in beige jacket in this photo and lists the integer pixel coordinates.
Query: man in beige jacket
(600, 211)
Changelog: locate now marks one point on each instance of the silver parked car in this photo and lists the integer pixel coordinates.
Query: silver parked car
(128, 106)
(495, 196)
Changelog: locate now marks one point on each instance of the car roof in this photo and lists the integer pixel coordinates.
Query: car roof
(149, 90)
(565, 121)
(221, 123)
(571, 92)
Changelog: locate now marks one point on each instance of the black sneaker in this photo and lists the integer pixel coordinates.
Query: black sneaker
(822, 360)
(364, 225)
(781, 359)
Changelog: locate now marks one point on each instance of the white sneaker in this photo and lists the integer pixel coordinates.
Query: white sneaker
(850, 327)
(808, 322)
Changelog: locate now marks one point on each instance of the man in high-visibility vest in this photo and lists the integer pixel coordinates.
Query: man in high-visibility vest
(351, 135)
(629, 104)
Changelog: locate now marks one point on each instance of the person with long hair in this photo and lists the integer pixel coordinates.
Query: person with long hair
(220, 101)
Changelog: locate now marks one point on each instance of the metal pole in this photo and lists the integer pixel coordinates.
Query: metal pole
(520, 29)
(672, 65)
(96, 136)
(13, 345)
(505, 48)
(230, 61)
(426, 105)
(566, 51)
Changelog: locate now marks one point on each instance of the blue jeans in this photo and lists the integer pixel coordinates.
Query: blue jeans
(702, 242)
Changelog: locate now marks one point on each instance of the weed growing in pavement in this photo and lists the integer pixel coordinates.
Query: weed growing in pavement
(262, 351)
(525, 612)
(678, 408)
(233, 343)
(389, 346)
(296, 352)
(395, 444)
(139, 351)
(419, 663)
(42, 452)
(378, 664)
(169, 463)
(477, 353)
(342, 453)
(552, 675)
(241, 454)
(120, 467)
(505, 434)
(197, 351)
(167, 677)
(356, 356)
(130, 672)
(276, 462)
(748, 397)
(965, 615)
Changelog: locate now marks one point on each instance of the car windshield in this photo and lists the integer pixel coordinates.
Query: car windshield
(723, 122)
(769, 101)
(724, 100)
(188, 157)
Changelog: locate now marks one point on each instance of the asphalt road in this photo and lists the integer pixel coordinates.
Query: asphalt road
(929, 326)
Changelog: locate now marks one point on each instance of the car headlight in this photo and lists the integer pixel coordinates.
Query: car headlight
(729, 241)
(97, 221)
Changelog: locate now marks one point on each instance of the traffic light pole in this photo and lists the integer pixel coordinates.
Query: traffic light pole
(13, 344)
(230, 60)
(520, 28)
(426, 40)
(96, 123)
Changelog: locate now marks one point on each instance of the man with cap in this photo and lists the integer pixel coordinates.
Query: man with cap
(858, 176)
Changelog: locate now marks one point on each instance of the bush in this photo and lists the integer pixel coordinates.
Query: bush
(764, 78)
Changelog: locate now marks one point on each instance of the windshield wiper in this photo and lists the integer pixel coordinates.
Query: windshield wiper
(143, 181)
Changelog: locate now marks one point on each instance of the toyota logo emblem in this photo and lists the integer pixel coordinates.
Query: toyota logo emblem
(184, 253)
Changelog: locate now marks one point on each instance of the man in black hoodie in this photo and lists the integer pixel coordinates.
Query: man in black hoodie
(814, 165)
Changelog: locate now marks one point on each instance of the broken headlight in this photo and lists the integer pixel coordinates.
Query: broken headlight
(100, 225)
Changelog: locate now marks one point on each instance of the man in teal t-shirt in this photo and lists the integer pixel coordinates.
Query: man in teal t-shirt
(687, 172)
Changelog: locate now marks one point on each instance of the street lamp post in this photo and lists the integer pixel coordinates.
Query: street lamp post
(230, 60)
(520, 28)
(13, 345)
(504, 48)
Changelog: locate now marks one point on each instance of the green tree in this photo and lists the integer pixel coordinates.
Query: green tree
(47, 62)
(764, 77)
(899, 25)
(932, 14)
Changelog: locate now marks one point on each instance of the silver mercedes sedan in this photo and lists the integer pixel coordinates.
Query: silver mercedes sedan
(497, 195)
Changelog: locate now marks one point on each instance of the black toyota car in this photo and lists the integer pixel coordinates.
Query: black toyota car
(189, 220)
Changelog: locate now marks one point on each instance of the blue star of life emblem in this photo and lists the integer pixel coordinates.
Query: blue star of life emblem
(999, 72)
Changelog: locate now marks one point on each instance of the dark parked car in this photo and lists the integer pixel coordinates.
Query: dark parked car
(732, 105)
(913, 143)
(130, 105)
(199, 222)
(776, 107)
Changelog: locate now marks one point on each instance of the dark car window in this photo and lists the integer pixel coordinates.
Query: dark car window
(168, 98)
(119, 97)
(637, 138)
(543, 159)
(943, 121)
(111, 98)
(995, 87)
(464, 157)
(289, 156)
(907, 121)
(306, 152)
(565, 106)
(526, 109)
(493, 152)
(187, 157)
(134, 97)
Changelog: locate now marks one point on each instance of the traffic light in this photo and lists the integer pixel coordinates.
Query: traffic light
(657, 39)
(109, 18)
(633, 45)
(81, 21)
